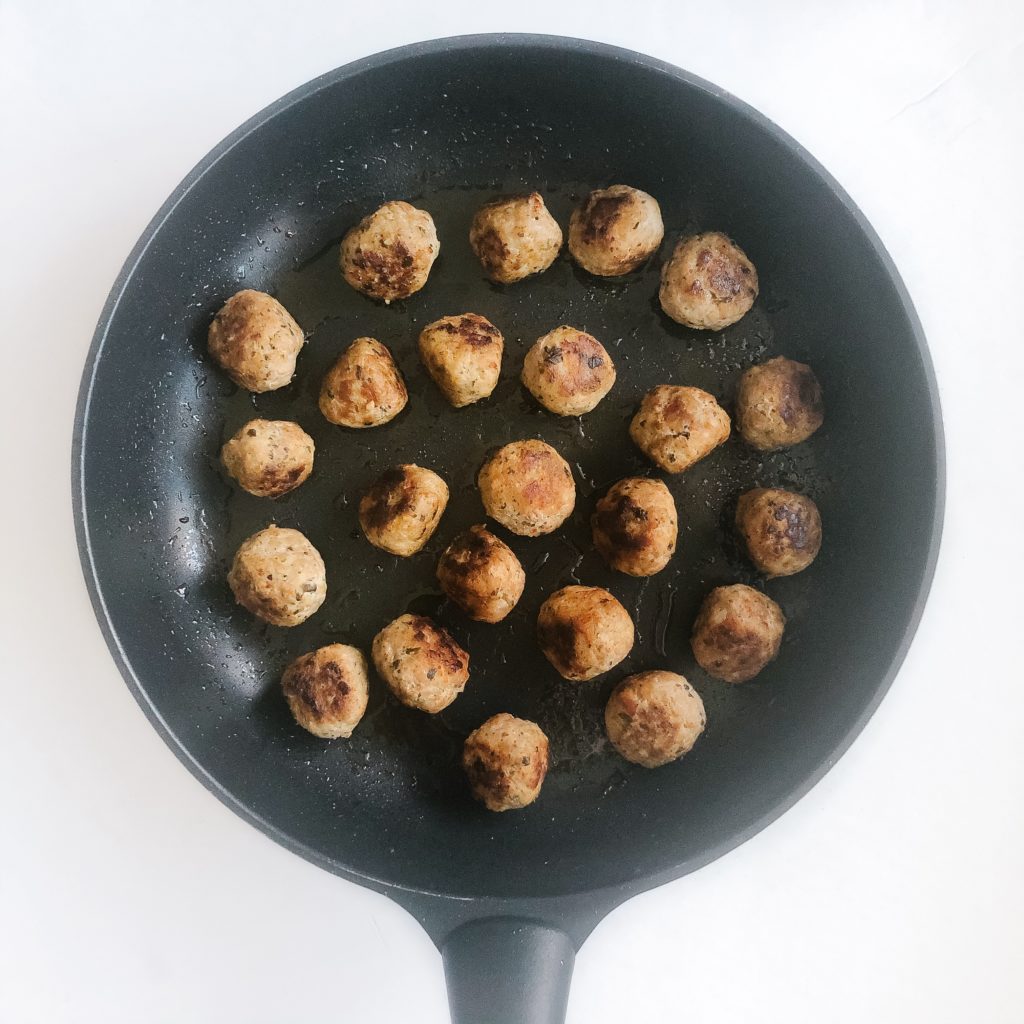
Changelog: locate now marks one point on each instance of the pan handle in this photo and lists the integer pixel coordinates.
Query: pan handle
(508, 970)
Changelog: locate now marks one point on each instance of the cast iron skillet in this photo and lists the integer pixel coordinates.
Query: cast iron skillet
(507, 898)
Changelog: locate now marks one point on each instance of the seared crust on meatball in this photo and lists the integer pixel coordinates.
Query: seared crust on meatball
(568, 371)
(505, 761)
(737, 632)
(327, 690)
(528, 488)
(782, 530)
(614, 230)
(583, 632)
(515, 237)
(255, 341)
(481, 574)
(388, 254)
(278, 576)
(635, 526)
(421, 663)
(654, 717)
(779, 404)
(364, 387)
(269, 458)
(463, 356)
(708, 283)
(677, 426)
(402, 508)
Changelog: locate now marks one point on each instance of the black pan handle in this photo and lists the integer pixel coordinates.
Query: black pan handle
(508, 970)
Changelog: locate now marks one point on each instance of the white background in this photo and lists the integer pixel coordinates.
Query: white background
(892, 894)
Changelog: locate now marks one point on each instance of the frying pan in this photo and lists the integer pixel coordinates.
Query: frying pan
(508, 898)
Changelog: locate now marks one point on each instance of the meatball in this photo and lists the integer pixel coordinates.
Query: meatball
(388, 255)
(654, 718)
(614, 230)
(782, 530)
(708, 283)
(481, 574)
(779, 404)
(505, 761)
(327, 690)
(515, 237)
(269, 458)
(256, 341)
(635, 526)
(278, 576)
(364, 387)
(402, 508)
(463, 356)
(528, 488)
(677, 426)
(421, 663)
(737, 632)
(584, 631)
(568, 371)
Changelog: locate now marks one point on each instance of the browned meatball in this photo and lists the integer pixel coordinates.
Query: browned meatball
(421, 663)
(388, 255)
(584, 631)
(327, 690)
(481, 574)
(463, 356)
(363, 388)
(782, 530)
(779, 404)
(505, 761)
(653, 718)
(635, 526)
(278, 576)
(737, 632)
(568, 371)
(402, 508)
(614, 230)
(528, 488)
(269, 458)
(515, 237)
(256, 341)
(708, 283)
(677, 426)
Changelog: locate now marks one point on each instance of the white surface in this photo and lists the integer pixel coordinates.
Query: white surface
(893, 893)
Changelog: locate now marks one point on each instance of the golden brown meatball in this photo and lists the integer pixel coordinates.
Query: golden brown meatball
(388, 255)
(402, 508)
(614, 230)
(278, 576)
(505, 761)
(528, 488)
(256, 341)
(677, 426)
(708, 283)
(584, 631)
(653, 718)
(778, 404)
(515, 237)
(421, 663)
(737, 632)
(463, 356)
(782, 530)
(481, 574)
(269, 458)
(363, 388)
(568, 371)
(635, 526)
(327, 690)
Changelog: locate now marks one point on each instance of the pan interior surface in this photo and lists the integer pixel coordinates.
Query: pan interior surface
(446, 128)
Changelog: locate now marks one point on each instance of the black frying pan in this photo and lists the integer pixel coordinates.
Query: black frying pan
(507, 898)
